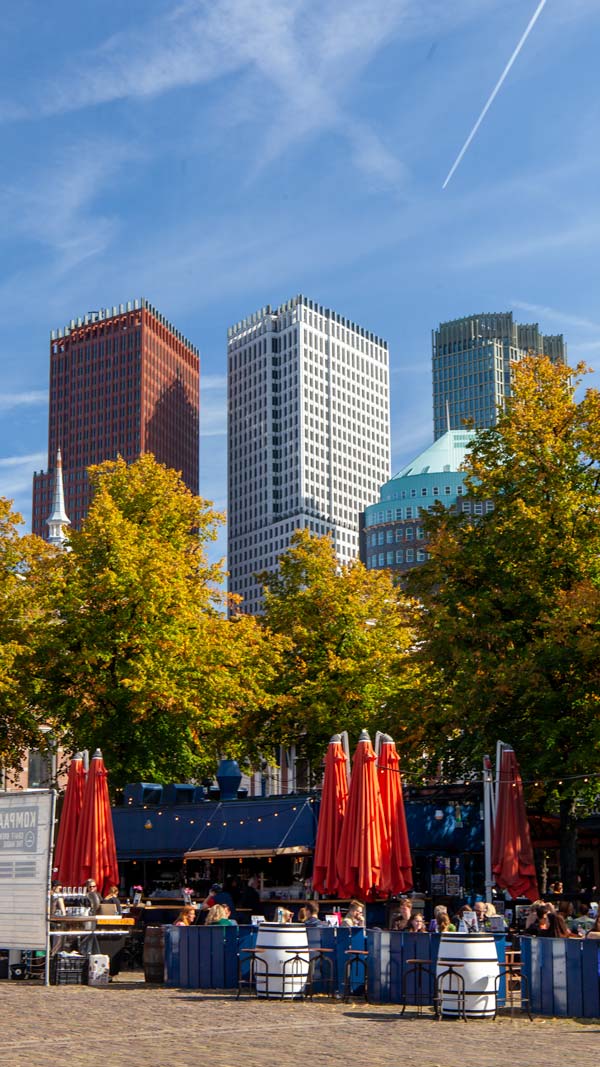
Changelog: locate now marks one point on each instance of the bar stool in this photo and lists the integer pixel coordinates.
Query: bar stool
(516, 982)
(323, 958)
(422, 996)
(253, 957)
(292, 971)
(358, 957)
(451, 972)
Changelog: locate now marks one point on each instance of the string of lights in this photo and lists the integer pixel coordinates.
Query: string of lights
(218, 821)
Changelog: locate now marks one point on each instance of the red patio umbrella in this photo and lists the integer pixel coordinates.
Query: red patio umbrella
(95, 850)
(512, 854)
(398, 878)
(64, 852)
(364, 850)
(331, 816)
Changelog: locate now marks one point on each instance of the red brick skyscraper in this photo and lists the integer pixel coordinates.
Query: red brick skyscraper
(123, 381)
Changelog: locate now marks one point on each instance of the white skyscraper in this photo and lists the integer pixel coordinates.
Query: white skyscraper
(309, 434)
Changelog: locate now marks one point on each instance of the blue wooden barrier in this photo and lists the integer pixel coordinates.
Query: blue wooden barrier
(206, 957)
(563, 976)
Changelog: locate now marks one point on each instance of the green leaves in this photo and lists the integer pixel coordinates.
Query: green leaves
(141, 661)
(347, 633)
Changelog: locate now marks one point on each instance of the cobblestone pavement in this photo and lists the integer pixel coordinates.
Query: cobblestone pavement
(129, 1024)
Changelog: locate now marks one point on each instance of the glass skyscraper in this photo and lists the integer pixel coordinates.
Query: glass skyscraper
(472, 360)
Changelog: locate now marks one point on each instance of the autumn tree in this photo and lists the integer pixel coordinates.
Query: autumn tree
(141, 660)
(509, 639)
(22, 609)
(346, 664)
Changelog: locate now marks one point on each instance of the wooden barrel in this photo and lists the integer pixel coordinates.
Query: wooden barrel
(154, 954)
(286, 956)
(476, 953)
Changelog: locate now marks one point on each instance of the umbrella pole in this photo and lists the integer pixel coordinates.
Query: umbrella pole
(488, 785)
(49, 887)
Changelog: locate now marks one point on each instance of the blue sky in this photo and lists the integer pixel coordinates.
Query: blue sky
(218, 156)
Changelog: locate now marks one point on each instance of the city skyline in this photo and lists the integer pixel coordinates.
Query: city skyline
(214, 156)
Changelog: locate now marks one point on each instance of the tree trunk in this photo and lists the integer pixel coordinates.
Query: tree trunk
(568, 845)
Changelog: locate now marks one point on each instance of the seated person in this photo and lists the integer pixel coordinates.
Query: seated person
(311, 914)
(480, 912)
(93, 896)
(218, 895)
(537, 923)
(403, 915)
(443, 924)
(355, 916)
(57, 902)
(112, 897)
(186, 917)
(416, 924)
(218, 915)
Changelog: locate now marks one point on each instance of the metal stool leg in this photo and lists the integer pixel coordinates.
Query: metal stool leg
(327, 980)
(459, 992)
(294, 969)
(358, 957)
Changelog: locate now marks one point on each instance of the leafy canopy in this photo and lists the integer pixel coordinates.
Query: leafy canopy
(141, 661)
(21, 610)
(509, 631)
(346, 663)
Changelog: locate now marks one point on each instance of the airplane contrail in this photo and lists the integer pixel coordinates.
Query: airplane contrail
(496, 88)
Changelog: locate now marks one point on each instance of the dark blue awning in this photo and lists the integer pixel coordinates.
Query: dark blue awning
(255, 826)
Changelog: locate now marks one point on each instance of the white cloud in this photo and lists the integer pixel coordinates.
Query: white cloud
(556, 315)
(213, 381)
(303, 58)
(32, 398)
(16, 479)
(523, 245)
(31, 460)
(56, 208)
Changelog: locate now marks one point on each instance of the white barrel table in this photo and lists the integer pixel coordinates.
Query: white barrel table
(284, 949)
(467, 964)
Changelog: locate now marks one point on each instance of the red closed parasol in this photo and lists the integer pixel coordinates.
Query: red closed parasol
(398, 877)
(95, 850)
(331, 816)
(64, 853)
(512, 853)
(363, 853)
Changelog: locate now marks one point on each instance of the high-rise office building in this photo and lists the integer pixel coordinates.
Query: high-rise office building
(309, 434)
(123, 381)
(472, 360)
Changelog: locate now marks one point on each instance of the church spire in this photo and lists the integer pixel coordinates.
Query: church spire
(58, 518)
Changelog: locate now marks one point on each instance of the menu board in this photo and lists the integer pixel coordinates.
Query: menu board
(26, 822)
(453, 885)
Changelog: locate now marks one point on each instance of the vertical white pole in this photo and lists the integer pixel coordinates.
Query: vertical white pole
(49, 892)
(488, 826)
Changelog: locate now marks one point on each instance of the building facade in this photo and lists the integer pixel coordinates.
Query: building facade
(393, 536)
(472, 359)
(309, 434)
(123, 381)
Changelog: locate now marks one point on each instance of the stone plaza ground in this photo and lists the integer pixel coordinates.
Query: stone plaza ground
(129, 1024)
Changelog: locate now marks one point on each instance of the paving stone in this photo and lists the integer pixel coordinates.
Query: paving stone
(130, 1024)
